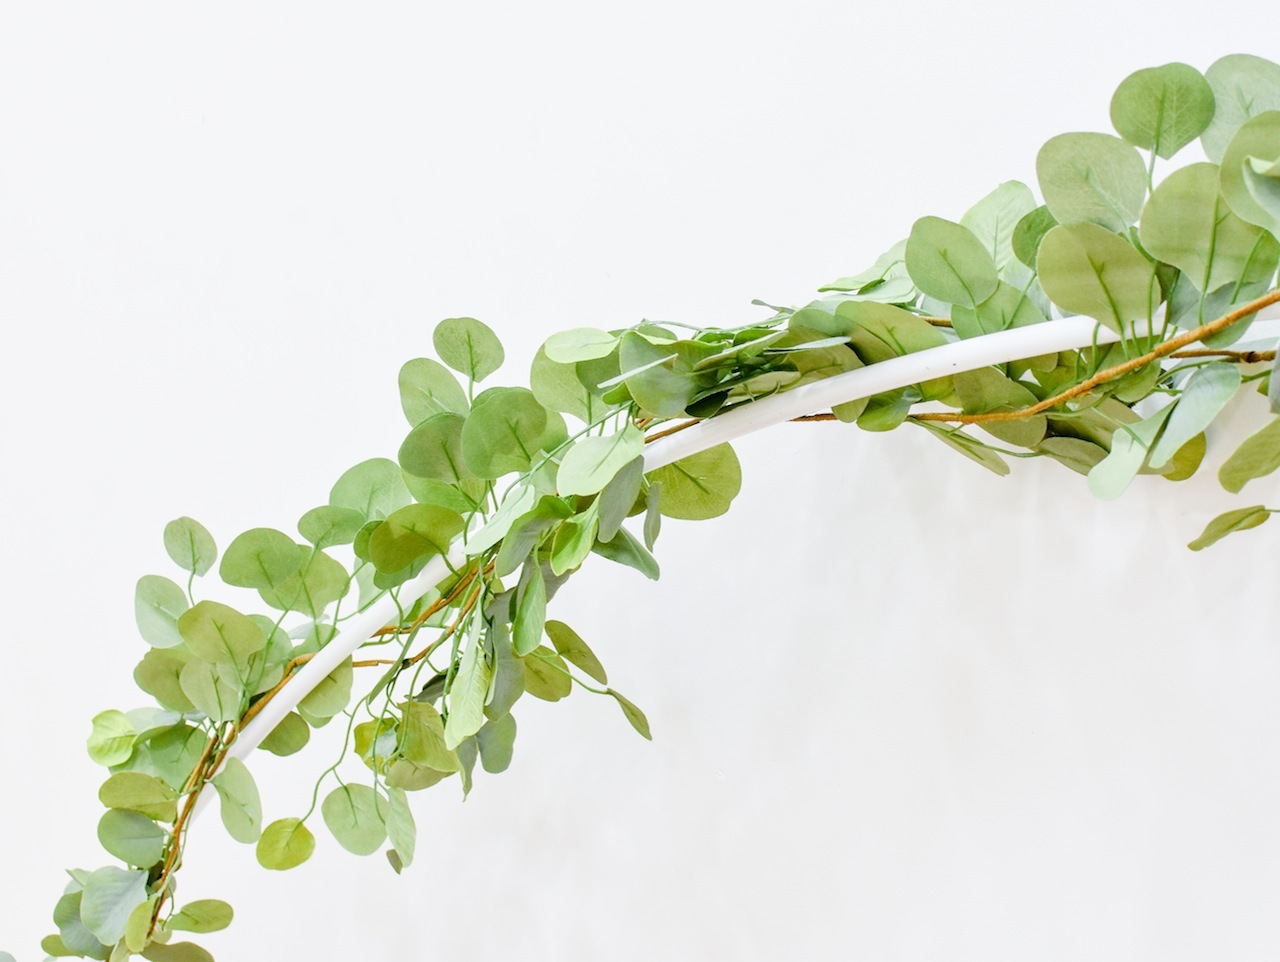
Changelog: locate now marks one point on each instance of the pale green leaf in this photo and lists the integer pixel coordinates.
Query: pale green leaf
(286, 843)
(1203, 397)
(467, 697)
(1028, 234)
(633, 714)
(421, 739)
(216, 633)
(137, 792)
(202, 915)
(994, 218)
(112, 738)
(190, 545)
(557, 387)
(214, 688)
(412, 533)
(332, 694)
(1129, 446)
(176, 952)
(327, 526)
(592, 462)
(1258, 138)
(572, 648)
(546, 676)
(619, 498)
(433, 450)
(357, 817)
(1092, 179)
(158, 675)
(110, 895)
(1243, 87)
(241, 804)
(624, 549)
(157, 604)
(1162, 108)
(1240, 519)
(468, 346)
(948, 262)
(1088, 270)
(132, 837)
(374, 488)
(505, 431)
(428, 387)
(574, 539)
(531, 611)
(1257, 456)
(402, 829)
(700, 486)
(261, 558)
(579, 344)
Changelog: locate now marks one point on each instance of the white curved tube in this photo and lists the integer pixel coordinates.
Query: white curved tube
(1065, 334)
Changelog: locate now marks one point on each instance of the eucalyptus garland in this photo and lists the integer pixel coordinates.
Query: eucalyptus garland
(535, 480)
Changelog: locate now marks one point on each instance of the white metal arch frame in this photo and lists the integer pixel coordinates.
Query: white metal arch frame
(1064, 334)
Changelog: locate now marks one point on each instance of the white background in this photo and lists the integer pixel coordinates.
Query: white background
(903, 709)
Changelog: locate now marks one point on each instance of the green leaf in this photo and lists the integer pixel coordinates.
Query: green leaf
(496, 741)
(331, 695)
(75, 936)
(970, 448)
(557, 387)
(1262, 178)
(327, 526)
(320, 583)
(626, 550)
(508, 675)
(1007, 308)
(132, 837)
(158, 675)
(653, 514)
(1088, 270)
(546, 676)
(1229, 522)
(262, 558)
(1203, 397)
(189, 545)
(413, 533)
(214, 688)
(110, 895)
(202, 915)
(1030, 232)
(1092, 179)
(619, 497)
(286, 843)
(157, 604)
(664, 378)
(1077, 454)
(1243, 87)
(137, 792)
(112, 738)
(421, 740)
(138, 929)
(527, 531)
(1257, 456)
(994, 219)
(428, 387)
(175, 952)
(1258, 138)
(574, 539)
(402, 830)
(633, 714)
(579, 344)
(531, 611)
(1162, 108)
(467, 696)
(357, 817)
(1187, 223)
(948, 262)
(985, 390)
(504, 432)
(216, 633)
(291, 735)
(700, 486)
(241, 804)
(374, 488)
(1129, 446)
(433, 450)
(592, 462)
(467, 346)
(574, 650)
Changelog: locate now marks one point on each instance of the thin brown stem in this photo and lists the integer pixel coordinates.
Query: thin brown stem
(1240, 357)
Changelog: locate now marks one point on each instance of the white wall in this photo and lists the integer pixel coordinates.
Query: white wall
(904, 710)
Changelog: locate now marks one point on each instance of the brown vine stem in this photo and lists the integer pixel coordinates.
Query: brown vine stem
(1084, 387)
(1242, 357)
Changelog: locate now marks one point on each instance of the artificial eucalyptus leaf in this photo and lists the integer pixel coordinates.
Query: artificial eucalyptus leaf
(261, 558)
(176, 952)
(1239, 519)
(241, 803)
(1086, 269)
(467, 696)
(592, 462)
(433, 450)
(1091, 179)
(1076, 453)
(286, 843)
(504, 432)
(571, 647)
(1256, 457)
(332, 694)
(327, 526)
(412, 533)
(1162, 108)
(1203, 397)
(402, 829)
(1187, 223)
(202, 915)
(215, 632)
(531, 611)
(496, 742)
(1029, 232)
(515, 505)
(111, 741)
(72, 931)
(137, 929)
(994, 219)
(557, 387)
(619, 498)
(573, 540)
(546, 676)
(132, 837)
(1262, 179)
(969, 447)
(427, 387)
(190, 545)
(421, 739)
(157, 605)
(700, 486)
(468, 346)
(1109, 478)
(527, 530)
(1258, 138)
(625, 549)
(1243, 87)
(374, 488)
(215, 688)
(158, 675)
(136, 792)
(986, 391)
(109, 897)
(319, 583)
(357, 817)
(579, 344)
(1006, 308)
(947, 261)
(653, 513)
(508, 675)
(633, 715)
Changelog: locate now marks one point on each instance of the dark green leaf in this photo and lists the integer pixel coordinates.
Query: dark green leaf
(626, 550)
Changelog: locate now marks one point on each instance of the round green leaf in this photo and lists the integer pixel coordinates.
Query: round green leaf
(994, 219)
(427, 387)
(468, 347)
(1162, 108)
(948, 262)
(592, 462)
(374, 488)
(331, 695)
(420, 738)
(72, 931)
(138, 792)
(557, 387)
(291, 735)
(110, 896)
(327, 526)
(203, 915)
(176, 952)
(158, 675)
(112, 738)
(433, 450)
(546, 676)
(1187, 223)
(412, 533)
(214, 688)
(1243, 87)
(1086, 269)
(1203, 397)
(320, 583)
(504, 432)
(1092, 179)
(1029, 232)
(701, 485)
(132, 837)
(1258, 138)
(215, 632)
(190, 545)
(241, 804)
(157, 604)
(496, 741)
(286, 843)
(357, 817)
(579, 344)
(261, 558)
